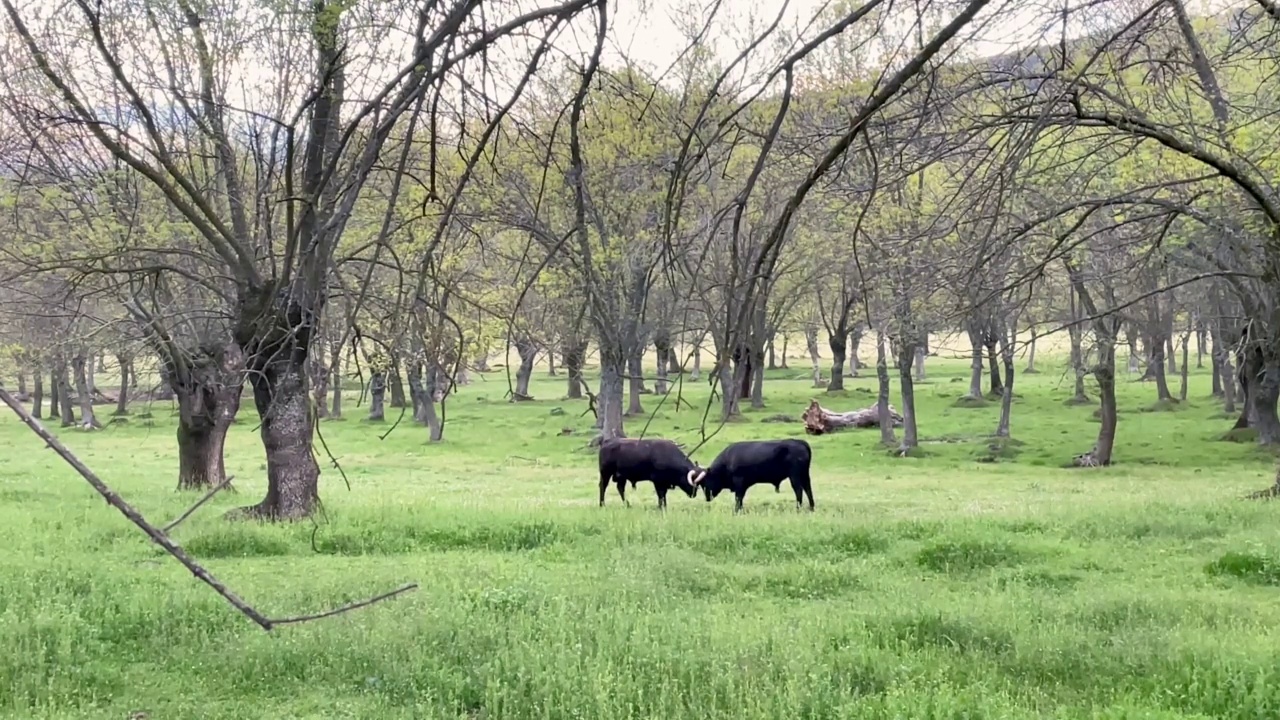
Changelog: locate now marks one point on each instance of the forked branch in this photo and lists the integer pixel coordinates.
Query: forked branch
(160, 538)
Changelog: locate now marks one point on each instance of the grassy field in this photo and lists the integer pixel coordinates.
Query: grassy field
(934, 587)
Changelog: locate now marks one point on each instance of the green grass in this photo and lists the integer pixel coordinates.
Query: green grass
(948, 586)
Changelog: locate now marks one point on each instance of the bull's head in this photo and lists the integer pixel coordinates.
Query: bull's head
(699, 480)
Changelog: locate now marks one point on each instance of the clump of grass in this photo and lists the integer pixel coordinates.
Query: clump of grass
(1251, 567)
(963, 556)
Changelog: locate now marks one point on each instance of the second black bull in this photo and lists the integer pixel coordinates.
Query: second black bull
(743, 464)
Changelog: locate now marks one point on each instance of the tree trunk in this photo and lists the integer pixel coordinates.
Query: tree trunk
(319, 383)
(433, 390)
(1157, 367)
(666, 357)
(1031, 355)
(609, 407)
(852, 363)
(1202, 342)
(1215, 362)
(551, 362)
(126, 368)
(91, 374)
(635, 381)
(882, 399)
(1077, 352)
(1171, 353)
(1006, 398)
(1105, 373)
(1186, 366)
(335, 367)
(695, 374)
(208, 397)
(976, 363)
(22, 382)
(907, 352)
(377, 396)
(919, 363)
(993, 360)
(837, 340)
(396, 384)
(287, 429)
(730, 390)
(55, 397)
(757, 381)
(1246, 385)
(37, 395)
(573, 356)
(811, 343)
(418, 393)
(1228, 385)
(773, 358)
(1264, 382)
(1133, 352)
(68, 413)
(784, 352)
(528, 353)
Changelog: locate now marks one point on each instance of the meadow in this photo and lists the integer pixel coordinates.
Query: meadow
(940, 587)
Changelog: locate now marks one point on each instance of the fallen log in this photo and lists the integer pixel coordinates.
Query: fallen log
(819, 420)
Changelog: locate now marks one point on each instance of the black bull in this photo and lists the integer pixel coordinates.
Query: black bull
(661, 462)
(743, 464)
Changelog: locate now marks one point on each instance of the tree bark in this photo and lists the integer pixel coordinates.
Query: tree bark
(773, 358)
(126, 369)
(906, 352)
(784, 352)
(207, 390)
(55, 397)
(573, 356)
(293, 477)
(695, 373)
(976, 363)
(919, 363)
(662, 345)
(63, 381)
(1186, 366)
(837, 340)
(1077, 352)
(335, 367)
(377, 396)
(882, 398)
(1031, 355)
(1215, 362)
(635, 381)
(91, 374)
(37, 394)
(852, 363)
(1134, 365)
(993, 360)
(1202, 342)
(1105, 373)
(1157, 368)
(551, 361)
(319, 383)
(22, 382)
(1263, 395)
(1171, 353)
(1006, 399)
(396, 384)
(528, 353)
(609, 407)
(811, 343)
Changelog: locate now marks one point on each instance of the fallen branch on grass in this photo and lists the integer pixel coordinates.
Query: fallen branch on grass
(160, 538)
(209, 495)
(819, 420)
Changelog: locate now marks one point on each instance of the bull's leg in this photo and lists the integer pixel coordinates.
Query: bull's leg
(605, 477)
(803, 486)
(738, 496)
(662, 496)
(622, 491)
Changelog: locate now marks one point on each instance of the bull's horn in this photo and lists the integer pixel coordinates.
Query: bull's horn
(689, 478)
(700, 476)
